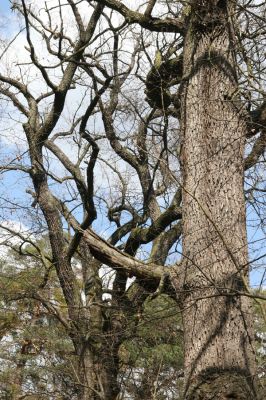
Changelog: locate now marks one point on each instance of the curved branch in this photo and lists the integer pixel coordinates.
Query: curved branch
(111, 256)
(145, 20)
(67, 79)
(118, 260)
(257, 121)
(143, 236)
(256, 152)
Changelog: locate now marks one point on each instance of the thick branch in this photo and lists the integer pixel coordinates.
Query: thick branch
(160, 250)
(149, 8)
(146, 21)
(257, 151)
(114, 258)
(143, 236)
(257, 121)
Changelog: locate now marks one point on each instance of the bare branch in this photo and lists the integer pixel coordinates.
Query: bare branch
(146, 21)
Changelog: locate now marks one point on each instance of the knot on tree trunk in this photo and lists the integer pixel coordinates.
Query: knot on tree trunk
(162, 75)
(222, 385)
(210, 15)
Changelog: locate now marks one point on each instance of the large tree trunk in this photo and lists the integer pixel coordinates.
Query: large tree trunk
(219, 353)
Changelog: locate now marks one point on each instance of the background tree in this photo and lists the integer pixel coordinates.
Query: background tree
(80, 101)
(37, 356)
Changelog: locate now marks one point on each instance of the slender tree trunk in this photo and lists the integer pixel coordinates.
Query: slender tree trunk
(17, 391)
(98, 374)
(98, 354)
(218, 332)
(88, 388)
(109, 373)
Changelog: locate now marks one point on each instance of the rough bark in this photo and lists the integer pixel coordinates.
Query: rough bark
(218, 332)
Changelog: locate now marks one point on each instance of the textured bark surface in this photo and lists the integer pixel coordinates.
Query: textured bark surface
(219, 356)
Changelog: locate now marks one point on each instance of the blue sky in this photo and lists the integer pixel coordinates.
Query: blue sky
(4, 6)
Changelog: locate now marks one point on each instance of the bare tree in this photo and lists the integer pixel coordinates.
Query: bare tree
(183, 145)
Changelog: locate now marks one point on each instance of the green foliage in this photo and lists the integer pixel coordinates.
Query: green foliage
(36, 353)
(156, 350)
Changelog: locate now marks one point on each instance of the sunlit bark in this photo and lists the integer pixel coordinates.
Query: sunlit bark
(218, 332)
